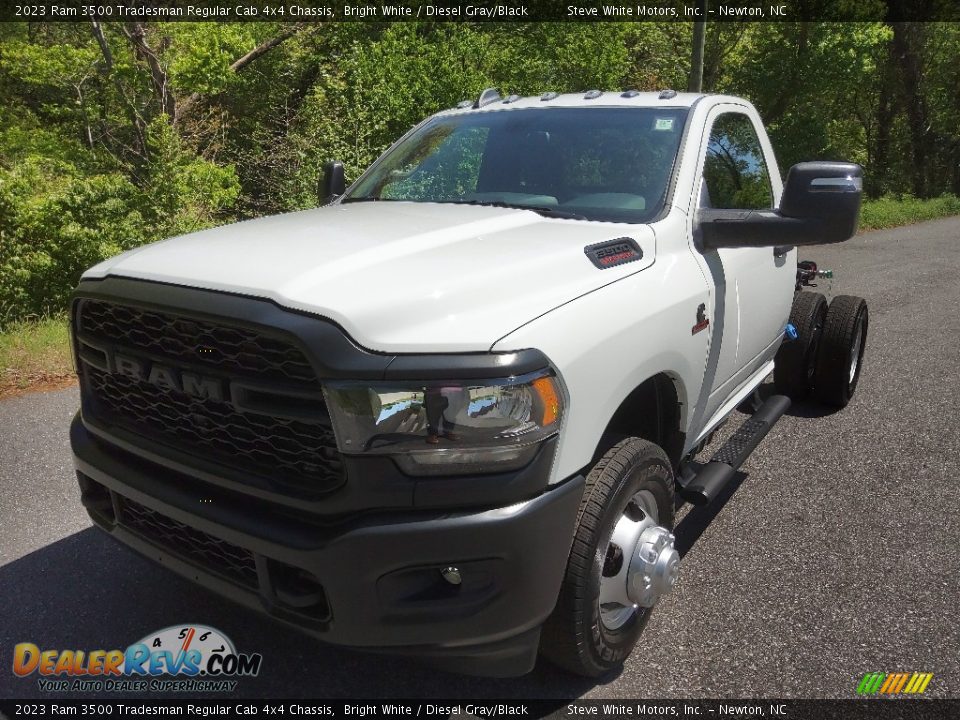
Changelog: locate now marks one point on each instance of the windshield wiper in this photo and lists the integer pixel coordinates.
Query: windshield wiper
(544, 210)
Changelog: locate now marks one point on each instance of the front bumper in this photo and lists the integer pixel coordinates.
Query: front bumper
(373, 581)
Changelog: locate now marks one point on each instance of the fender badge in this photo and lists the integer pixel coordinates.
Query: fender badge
(702, 322)
(613, 252)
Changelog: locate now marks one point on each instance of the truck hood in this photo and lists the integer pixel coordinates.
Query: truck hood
(397, 276)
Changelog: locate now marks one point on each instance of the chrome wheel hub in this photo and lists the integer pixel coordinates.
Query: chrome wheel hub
(641, 563)
(654, 568)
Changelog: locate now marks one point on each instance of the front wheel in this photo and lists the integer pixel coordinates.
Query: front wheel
(621, 562)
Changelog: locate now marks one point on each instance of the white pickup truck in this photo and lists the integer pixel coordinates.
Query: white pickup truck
(447, 414)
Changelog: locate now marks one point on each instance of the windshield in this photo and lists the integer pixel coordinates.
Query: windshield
(611, 164)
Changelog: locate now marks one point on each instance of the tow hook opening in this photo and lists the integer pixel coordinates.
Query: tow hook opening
(297, 590)
(97, 500)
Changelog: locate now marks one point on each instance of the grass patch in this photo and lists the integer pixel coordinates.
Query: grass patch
(888, 212)
(35, 354)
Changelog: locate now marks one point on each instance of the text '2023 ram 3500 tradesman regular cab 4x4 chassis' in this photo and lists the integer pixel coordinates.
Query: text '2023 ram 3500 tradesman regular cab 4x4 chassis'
(447, 414)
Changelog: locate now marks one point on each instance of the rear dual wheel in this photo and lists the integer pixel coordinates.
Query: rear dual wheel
(796, 361)
(840, 359)
(827, 355)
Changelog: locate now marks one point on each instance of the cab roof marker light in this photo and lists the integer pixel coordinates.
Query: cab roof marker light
(592, 94)
(629, 93)
(463, 104)
(667, 94)
(511, 99)
(548, 96)
(486, 97)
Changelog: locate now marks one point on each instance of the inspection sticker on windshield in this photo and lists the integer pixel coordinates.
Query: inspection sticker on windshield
(663, 124)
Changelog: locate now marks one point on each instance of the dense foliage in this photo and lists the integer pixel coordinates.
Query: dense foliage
(118, 134)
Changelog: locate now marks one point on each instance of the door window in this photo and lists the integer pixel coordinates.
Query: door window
(734, 171)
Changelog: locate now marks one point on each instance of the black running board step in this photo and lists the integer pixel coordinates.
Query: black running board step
(711, 478)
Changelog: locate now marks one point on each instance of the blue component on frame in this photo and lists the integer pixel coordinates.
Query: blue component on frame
(791, 332)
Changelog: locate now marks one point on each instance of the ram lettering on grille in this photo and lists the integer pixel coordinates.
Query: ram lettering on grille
(168, 378)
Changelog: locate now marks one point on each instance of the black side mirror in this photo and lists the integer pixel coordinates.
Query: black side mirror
(820, 204)
(332, 184)
(827, 195)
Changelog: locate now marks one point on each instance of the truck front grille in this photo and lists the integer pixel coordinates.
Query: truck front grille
(294, 455)
(226, 348)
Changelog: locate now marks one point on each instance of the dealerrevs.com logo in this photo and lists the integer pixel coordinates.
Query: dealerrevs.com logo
(180, 658)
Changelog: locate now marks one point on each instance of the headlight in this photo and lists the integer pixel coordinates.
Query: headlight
(447, 428)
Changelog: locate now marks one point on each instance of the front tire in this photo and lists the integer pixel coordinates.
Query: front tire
(632, 483)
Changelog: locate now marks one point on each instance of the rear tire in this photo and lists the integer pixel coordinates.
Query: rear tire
(840, 359)
(796, 361)
(576, 637)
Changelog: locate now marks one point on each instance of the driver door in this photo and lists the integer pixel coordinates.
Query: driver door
(753, 286)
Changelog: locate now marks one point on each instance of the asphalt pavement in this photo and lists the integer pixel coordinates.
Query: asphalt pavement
(836, 552)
